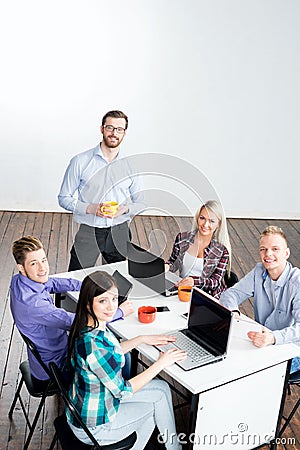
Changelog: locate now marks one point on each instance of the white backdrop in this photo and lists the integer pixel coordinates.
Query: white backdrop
(213, 82)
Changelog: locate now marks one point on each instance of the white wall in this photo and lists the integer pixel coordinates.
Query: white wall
(213, 82)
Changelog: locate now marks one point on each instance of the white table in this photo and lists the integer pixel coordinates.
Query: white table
(236, 403)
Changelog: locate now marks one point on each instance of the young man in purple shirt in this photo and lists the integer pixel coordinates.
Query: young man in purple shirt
(32, 306)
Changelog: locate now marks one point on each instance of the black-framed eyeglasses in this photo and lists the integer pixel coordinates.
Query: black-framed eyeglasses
(110, 128)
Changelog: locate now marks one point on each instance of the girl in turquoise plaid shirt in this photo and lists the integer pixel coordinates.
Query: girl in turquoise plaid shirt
(111, 406)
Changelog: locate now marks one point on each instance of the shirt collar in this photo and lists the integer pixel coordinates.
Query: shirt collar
(282, 279)
(36, 287)
(192, 236)
(98, 152)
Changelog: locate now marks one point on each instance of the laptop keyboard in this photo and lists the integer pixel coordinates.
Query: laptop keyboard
(193, 350)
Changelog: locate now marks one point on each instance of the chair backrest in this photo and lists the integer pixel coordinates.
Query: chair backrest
(35, 353)
(57, 375)
(230, 280)
(294, 377)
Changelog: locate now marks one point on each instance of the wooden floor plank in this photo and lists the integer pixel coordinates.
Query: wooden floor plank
(57, 231)
(173, 227)
(62, 248)
(143, 230)
(293, 240)
(158, 238)
(239, 250)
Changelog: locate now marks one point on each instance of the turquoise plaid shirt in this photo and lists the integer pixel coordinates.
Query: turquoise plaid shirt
(98, 385)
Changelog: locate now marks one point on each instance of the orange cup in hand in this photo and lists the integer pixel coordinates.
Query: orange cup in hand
(184, 293)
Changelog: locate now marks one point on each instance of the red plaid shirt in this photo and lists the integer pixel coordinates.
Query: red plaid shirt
(215, 263)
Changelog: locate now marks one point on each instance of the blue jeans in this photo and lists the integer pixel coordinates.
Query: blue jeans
(150, 406)
(127, 366)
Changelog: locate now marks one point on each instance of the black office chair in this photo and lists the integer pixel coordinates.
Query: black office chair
(36, 388)
(65, 435)
(230, 280)
(294, 379)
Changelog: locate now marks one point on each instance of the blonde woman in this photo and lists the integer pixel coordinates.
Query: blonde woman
(203, 256)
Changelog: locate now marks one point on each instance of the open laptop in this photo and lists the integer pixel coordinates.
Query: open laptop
(207, 337)
(149, 269)
(124, 286)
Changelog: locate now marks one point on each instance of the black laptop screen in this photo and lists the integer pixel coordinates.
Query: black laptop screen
(209, 321)
(146, 268)
(124, 286)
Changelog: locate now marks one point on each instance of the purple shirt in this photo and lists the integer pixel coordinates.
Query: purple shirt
(37, 317)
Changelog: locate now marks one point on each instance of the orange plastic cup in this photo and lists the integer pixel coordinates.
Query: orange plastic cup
(184, 293)
(147, 314)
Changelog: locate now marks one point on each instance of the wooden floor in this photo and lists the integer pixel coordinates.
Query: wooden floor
(56, 231)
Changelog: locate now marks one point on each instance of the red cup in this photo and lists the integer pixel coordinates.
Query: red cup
(147, 314)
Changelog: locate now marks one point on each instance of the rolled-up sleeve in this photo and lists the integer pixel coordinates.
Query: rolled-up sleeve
(174, 260)
(215, 279)
(59, 285)
(243, 289)
(68, 194)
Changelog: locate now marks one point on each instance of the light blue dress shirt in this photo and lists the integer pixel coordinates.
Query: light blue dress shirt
(90, 179)
(283, 318)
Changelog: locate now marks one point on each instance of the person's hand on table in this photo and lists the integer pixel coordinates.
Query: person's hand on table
(262, 339)
(158, 339)
(127, 308)
(171, 356)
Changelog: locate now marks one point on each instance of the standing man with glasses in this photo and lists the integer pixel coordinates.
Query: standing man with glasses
(94, 178)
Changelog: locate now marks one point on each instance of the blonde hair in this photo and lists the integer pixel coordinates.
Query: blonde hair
(221, 233)
(273, 229)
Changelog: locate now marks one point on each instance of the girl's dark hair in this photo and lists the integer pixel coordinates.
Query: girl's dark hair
(93, 285)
